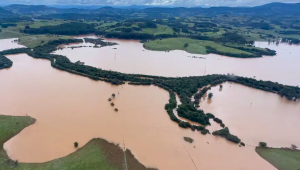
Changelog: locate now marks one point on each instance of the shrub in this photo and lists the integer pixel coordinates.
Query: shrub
(113, 95)
(76, 144)
(226, 134)
(109, 99)
(242, 143)
(116, 109)
(184, 124)
(233, 138)
(209, 115)
(112, 104)
(187, 139)
(262, 144)
(204, 132)
(222, 125)
(218, 120)
(210, 95)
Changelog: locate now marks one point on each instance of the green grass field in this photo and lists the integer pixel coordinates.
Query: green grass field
(32, 41)
(194, 46)
(97, 154)
(161, 29)
(282, 159)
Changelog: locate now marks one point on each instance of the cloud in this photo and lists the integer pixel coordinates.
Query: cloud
(151, 2)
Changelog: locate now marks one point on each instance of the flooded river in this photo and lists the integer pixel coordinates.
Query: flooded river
(255, 115)
(131, 57)
(71, 108)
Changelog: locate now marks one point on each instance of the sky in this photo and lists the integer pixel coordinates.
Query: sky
(189, 3)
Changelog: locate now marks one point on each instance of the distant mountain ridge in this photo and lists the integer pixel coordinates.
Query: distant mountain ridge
(264, 10)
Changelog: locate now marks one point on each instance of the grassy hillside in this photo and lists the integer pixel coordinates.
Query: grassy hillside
(97, 154)
(282, 159)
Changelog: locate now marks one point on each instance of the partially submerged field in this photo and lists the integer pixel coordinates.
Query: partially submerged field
(194, 46)
(98, 154)
(281, 158)
(31, 41)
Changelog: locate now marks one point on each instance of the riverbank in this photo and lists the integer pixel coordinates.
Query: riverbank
(97, 154)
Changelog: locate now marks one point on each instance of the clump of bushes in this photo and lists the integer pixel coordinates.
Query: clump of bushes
(262, 144)
(184, 124)
(187, 139)
(225, 133)
(218, 120)
(116, 109)
(109, 99)
(204, 131)
(76, 144)
(209, 115)
(242, 144)
(112, 104)
(210, 95)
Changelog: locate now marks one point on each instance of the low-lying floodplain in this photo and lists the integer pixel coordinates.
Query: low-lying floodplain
(56, 96)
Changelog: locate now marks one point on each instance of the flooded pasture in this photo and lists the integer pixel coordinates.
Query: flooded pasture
(71, 108)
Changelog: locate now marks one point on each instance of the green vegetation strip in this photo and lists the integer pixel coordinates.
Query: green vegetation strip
(281, 158)
(97, 154)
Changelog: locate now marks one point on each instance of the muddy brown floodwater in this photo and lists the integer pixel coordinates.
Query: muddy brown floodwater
(255, 115)
(131, 57)
(71, 108)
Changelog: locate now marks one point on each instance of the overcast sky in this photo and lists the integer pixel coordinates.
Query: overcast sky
(149, 2)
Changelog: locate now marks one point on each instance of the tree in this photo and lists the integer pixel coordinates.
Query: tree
(262, 144)
(112, 104)
(113, 95)
(242, 143)
(186, 45)
(76, 144)
(27, 27)
(109, 99)
(116, 109)
(294, 146)
(210, 95)
(221, 86)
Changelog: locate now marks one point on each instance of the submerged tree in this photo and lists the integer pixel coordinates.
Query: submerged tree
(116, 109)
(109, 99)
(221, 86)
(76, 144)
(210, 95)
(112, 104)
(113, 95)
